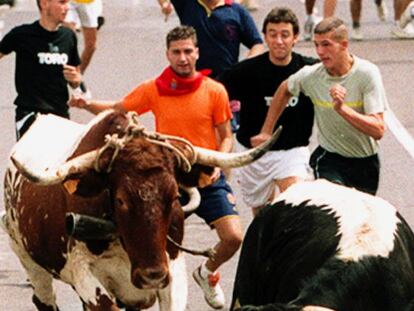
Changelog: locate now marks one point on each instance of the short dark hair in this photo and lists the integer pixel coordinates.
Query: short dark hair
(281, 15)
(181, 33)
(332, 24)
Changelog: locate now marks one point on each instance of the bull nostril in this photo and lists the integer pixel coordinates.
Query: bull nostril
(150, 277)
(156, 274)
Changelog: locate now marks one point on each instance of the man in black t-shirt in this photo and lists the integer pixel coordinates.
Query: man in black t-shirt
(47, 60)
(253, 82)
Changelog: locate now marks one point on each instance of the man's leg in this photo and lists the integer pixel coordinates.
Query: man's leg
(356, 7)
(206, 275)
(329, 7)
(229, 231)
(90, 36)
(403, 14)
(310, 20)
(280, 185)
(382, 11)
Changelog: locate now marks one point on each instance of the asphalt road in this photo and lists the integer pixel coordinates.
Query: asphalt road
(131, 50)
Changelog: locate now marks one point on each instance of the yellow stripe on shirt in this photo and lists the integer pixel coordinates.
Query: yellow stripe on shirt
(83, 1)
(330, 104)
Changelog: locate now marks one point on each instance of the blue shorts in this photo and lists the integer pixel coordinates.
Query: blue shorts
(217, 201)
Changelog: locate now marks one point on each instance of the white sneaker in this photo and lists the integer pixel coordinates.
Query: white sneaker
(308, 28)
(382, 11)
(402, 33)
(408, 15)
(357, 34)
(213, 293)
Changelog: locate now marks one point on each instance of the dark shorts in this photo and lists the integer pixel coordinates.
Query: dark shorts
(217, 201)
(360, 173)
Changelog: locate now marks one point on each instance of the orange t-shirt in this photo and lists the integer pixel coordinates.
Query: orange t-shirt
(192, 116)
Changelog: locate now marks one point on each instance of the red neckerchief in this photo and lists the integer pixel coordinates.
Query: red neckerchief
(170, 84)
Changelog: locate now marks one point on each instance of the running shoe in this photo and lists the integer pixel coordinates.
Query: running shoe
(308, 28)
(357, 34)
(403, 33)
(213, 293)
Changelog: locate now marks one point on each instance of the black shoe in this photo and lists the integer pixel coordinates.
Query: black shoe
(101, 21)
(8, 2)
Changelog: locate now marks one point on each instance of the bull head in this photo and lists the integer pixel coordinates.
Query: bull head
(86, 162)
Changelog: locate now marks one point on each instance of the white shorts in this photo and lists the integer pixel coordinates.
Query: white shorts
(84, 13)
(256, 180)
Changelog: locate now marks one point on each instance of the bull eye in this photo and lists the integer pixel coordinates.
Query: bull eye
(119, 202)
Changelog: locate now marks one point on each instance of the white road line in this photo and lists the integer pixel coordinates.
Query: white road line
(399, 131)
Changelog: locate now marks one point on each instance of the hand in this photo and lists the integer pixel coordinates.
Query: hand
(338, 93)
(166, 9)
(259, 139)
(78, 101)
(72, 75)
(215, 175)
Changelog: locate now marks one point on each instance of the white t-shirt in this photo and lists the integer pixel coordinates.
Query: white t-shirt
(365, 94)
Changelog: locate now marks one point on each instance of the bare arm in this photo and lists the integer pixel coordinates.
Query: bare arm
(166, 8)
(256, 50)
(225, 137)
(95, 106)
(372, 125)
(72, 75)
(279, 103)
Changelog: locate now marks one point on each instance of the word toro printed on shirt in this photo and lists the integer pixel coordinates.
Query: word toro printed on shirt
(293, 101)
(53, 57)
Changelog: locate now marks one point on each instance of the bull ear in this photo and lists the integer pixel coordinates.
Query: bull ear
(88, 185)
(176, 230)
(71, 185)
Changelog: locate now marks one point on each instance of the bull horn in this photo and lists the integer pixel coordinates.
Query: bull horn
(229, 160)
(48, 176)
(194, 200)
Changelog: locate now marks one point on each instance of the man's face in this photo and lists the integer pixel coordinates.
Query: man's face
(280, 39)
(55, 10)
(329, 50)
(183, 55)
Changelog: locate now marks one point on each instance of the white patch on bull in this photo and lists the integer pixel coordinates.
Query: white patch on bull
(111, 273)
(367, 223)
(40, 279)
(174, 296)
(51, 140)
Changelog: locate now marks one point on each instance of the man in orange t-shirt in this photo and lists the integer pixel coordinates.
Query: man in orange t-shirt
(188, 104)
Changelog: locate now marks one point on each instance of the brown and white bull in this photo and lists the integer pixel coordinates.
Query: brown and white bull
(132, 181)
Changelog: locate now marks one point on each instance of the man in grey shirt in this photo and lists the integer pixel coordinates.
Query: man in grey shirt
(349, 101)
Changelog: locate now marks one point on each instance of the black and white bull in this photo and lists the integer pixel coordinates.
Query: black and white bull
(322, 245)
(131, 181)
